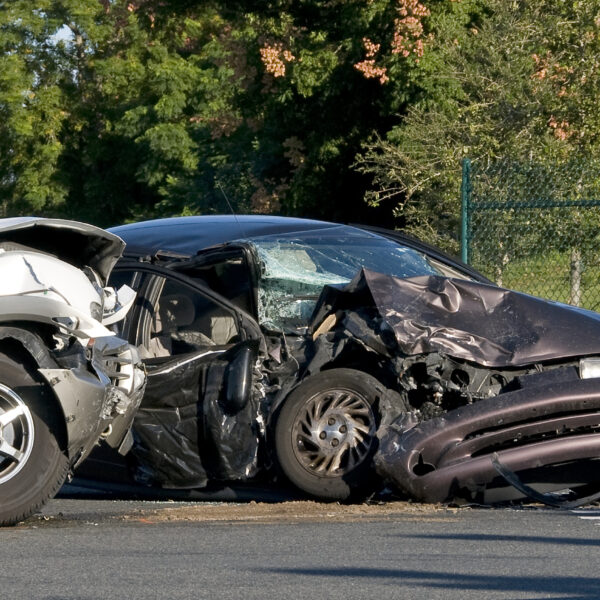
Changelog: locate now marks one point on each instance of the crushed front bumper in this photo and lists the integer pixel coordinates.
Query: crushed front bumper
(451, 457)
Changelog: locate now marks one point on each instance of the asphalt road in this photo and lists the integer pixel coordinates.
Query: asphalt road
(89, 549)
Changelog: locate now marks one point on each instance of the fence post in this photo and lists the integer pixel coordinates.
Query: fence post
(465, 210)
(575, 278)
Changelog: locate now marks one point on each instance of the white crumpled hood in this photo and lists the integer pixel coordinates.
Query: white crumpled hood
(78, 244)
(33, 274)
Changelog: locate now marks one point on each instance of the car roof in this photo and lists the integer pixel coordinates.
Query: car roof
(188, 235)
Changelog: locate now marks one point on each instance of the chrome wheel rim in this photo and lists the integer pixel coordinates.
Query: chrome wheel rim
(333, 432)
(16, 433)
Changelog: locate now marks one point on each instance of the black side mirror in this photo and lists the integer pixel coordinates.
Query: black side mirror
(238, 378)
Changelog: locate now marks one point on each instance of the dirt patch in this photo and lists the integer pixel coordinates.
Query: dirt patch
(70, 512)
(294, 512)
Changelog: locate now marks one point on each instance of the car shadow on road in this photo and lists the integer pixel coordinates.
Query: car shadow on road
(487, 537)
(574, 588)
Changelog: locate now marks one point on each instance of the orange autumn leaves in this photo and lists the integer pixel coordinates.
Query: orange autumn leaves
(368, 67)
(408, 39)
(274, 58)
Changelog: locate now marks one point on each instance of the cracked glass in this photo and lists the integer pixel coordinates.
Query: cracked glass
(294, 268)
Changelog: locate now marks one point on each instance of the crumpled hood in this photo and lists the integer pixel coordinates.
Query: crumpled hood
(482, 323)
(78, 244)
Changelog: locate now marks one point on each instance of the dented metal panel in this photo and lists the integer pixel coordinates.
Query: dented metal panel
(481, 323)
(186, 431)
(76, 243)
(53, 301)
(85, 403)
(465, 376)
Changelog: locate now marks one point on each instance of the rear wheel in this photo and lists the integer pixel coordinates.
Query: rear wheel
(32, 464)
(325, 433)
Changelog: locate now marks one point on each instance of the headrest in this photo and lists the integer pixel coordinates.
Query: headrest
(176, 310)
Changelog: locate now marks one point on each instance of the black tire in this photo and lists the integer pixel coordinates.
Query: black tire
(34, 475)
(325, 434)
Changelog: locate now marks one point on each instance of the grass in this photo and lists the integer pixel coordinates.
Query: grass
(548, 275)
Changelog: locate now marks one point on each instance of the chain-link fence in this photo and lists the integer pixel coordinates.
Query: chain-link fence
(535, 228)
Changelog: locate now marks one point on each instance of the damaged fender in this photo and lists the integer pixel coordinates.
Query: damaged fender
(88, 402)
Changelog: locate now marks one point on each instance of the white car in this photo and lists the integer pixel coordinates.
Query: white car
(66, 380)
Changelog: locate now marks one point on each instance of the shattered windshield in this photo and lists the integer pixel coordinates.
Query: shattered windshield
(295, 267)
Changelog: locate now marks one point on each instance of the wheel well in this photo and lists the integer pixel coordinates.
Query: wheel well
(17, 351)
(366, 362)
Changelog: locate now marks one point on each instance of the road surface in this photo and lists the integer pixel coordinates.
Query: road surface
(92, 549)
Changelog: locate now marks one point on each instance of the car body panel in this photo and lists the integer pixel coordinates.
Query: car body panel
(187, 432)
(449, 457)
(78, 244)
(195, 420)
(188, 235)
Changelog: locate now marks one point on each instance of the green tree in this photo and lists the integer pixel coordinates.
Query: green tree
(301, 86)
(31, 110)
(508, 79)
(160, 107)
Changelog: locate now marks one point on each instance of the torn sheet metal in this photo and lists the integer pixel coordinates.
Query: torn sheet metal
(52, 301)
(166, 432)
(549, 499)
(469, 371)
(490, 326)
(232, 427)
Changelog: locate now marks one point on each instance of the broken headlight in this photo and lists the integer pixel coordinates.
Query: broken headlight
(589, 368)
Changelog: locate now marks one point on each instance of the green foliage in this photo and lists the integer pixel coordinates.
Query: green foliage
(504, 79)
(31, 111)
(143, 108)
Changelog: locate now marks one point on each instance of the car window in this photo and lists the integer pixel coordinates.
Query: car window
(173, 318)
(294, 269)
(228, 277)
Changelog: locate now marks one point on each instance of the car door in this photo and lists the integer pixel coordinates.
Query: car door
(199, 419)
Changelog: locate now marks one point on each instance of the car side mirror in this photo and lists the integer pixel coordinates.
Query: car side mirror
(238, 379)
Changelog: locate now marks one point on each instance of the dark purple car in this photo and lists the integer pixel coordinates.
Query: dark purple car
(348, 358)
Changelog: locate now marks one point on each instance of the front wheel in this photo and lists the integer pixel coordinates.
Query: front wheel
(325, 433)
(32, 465)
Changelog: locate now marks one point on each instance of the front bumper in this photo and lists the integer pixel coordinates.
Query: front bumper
(451, 457)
